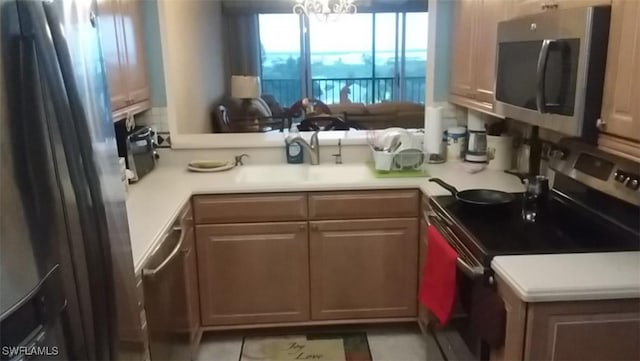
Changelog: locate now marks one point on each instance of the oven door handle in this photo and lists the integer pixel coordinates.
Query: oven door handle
(469, 271)
(541, 72)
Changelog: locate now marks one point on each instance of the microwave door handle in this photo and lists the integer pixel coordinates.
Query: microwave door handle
(541, 72)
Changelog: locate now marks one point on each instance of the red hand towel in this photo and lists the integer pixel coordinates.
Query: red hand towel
(438, 288)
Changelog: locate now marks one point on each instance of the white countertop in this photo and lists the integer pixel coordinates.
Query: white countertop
(571, 277)
(155, 201)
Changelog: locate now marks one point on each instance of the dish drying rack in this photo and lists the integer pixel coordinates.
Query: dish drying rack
(407, 159)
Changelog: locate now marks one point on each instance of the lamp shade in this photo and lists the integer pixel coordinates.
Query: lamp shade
(245, 87)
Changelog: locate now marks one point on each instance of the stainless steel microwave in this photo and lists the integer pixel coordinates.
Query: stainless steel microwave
(550, 69)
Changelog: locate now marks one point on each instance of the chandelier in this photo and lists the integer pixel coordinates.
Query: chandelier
(325, 10)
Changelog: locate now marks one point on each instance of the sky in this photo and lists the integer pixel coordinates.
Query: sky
(280, 32)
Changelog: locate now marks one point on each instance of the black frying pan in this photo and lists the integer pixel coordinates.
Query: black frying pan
(477, 197)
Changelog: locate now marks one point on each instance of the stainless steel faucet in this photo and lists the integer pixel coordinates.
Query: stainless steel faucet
(313, 149)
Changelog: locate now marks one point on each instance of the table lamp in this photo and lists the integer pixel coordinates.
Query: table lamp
(246, 88)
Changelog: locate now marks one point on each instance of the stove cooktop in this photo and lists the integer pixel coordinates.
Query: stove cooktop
(489, 232)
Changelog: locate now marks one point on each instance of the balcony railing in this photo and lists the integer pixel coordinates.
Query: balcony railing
(361, 90)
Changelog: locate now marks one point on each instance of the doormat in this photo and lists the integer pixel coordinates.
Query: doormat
(352, 346)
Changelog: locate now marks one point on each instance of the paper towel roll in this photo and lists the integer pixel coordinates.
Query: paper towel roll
(433, 130)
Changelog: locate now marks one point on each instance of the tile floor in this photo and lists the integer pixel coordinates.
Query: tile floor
(387, 343)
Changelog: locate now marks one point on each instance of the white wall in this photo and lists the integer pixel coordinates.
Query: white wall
(193, 53)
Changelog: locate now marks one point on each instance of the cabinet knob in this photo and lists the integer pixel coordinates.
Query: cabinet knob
(601, 124)
(314, 227)
(302, 227)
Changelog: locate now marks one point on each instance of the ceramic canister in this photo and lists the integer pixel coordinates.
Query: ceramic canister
(500, 151)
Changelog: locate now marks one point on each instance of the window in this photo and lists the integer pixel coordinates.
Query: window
(361, 58)
(281, 56)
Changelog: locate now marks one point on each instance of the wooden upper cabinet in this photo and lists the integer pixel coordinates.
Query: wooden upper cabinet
(473, 56)
(620, 105)
(567, 4)
(122, 40)
(489, 14)
(136, 69)
(253, 273)
(113, 53)
(462, 49)
(527, 7)
(364, 268)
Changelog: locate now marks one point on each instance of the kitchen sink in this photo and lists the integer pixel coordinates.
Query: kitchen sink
(344, 173)
(272, 173)
(289, 173)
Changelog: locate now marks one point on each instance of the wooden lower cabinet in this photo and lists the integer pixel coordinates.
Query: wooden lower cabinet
(253, 273)
(571, 330)
(364, 268)
(516, 318)
(583, 330)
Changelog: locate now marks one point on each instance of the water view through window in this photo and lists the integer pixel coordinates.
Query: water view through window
(362, 58)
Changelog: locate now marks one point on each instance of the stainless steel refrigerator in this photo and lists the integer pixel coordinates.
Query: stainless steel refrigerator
(65, 258)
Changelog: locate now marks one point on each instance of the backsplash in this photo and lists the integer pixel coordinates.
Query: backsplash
(272, 155)
(157, 119)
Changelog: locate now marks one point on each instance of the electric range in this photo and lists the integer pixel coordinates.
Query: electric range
(579, 217)
(593, 206)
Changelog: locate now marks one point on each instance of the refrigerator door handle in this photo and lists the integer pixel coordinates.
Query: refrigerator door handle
(35, 339)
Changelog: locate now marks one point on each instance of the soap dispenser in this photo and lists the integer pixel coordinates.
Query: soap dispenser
(294, 150)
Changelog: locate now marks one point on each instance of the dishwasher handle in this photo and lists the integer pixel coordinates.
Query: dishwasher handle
(174, 253)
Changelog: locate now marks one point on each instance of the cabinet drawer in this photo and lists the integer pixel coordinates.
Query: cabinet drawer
(250, 208)
(364, 204)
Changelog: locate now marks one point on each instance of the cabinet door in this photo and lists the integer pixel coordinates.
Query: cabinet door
(461, 78)
(584, 330)
(136, 62)
(364, 268)
(528, 7)
(253, 273)
(489, 13)
(567, 4)
(620, 105)
(113, 52)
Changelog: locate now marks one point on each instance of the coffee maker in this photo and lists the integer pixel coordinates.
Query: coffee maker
(476, 145)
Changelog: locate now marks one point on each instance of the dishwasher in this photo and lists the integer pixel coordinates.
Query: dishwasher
(171, 294)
